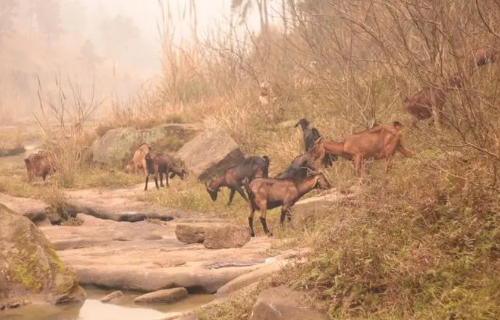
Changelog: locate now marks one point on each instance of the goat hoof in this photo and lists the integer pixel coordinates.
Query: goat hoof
(252, 235)
(269, 234)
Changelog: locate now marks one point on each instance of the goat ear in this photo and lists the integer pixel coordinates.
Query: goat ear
(27, 160)
(297, 124)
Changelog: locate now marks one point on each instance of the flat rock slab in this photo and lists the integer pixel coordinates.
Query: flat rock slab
(118, 256)
(119, 205)
(33, 209)
(163, 296)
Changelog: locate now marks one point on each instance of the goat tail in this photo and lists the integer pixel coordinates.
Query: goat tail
(246, 185)
(265, 169)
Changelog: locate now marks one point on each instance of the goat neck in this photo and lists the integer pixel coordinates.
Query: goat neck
(306, 185)
(217, 183)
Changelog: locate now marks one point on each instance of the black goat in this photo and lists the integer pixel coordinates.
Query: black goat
(311, 135)
(251, 167)
(299, 168)
(150, 170)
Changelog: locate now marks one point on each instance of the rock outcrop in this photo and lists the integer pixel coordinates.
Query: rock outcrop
(282, 303)
(210, 153)
(33, 209)
(163, 296)
(30, 268)
(226, 236)
(112, 296)
(190, 233)
(117, 146)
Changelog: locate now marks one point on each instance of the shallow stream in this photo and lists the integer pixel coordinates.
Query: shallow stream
(93, 309)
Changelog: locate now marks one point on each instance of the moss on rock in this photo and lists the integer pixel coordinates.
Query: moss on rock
(32, 267)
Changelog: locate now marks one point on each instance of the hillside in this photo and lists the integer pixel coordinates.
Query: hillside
(418, 242)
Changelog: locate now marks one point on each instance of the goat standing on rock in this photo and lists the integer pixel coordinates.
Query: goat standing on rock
(265, 193)
(234, 175)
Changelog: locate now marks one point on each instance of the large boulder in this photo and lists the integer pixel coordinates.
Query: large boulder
(30, 269)
(226, 236)
(210, 153)
(117, 146)
(282, 303)
(190, 233)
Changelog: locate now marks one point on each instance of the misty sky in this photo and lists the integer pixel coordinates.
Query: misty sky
(146, 13)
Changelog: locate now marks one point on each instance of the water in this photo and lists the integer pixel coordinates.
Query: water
(93, 309)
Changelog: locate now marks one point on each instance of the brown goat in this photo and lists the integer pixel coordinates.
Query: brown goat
(138, 160)
(379, 142)
(267, 193)
(422, 104)
(164, 164)
(159, 164)
(39, 164)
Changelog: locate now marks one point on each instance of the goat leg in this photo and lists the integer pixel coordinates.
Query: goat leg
(250, 224)
(357, 166)
(231, 196)
(264, 226)
(282, 217)
(161, 179)
(242, 193)
(166, 178)
(146, 185)
(156, 182)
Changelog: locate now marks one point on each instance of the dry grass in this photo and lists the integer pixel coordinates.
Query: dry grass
(422, 241)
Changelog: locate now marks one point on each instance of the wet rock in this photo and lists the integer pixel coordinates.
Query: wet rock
(282, 303)
(141, 279)
(190, 233)
(163, 296)
(226, 236)
(112, 296)
(183, 316)
(30, 266)
(210, 153)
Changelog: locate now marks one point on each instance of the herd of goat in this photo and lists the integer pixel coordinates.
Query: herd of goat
(302, 175)
(250, 178)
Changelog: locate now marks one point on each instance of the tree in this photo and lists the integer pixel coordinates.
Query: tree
(245, 6)
(90, 59)
(118, 34)
(48, 17)
(7, 13)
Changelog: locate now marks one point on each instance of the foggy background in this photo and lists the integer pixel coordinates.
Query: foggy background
(113, 46)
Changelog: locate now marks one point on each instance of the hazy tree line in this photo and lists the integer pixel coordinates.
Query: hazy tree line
(106, 36)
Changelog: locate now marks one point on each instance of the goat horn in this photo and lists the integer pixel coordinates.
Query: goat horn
(318, 139)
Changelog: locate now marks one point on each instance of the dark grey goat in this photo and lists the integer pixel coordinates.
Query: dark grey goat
(311, 135)
(233, 177)
(299, 168)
